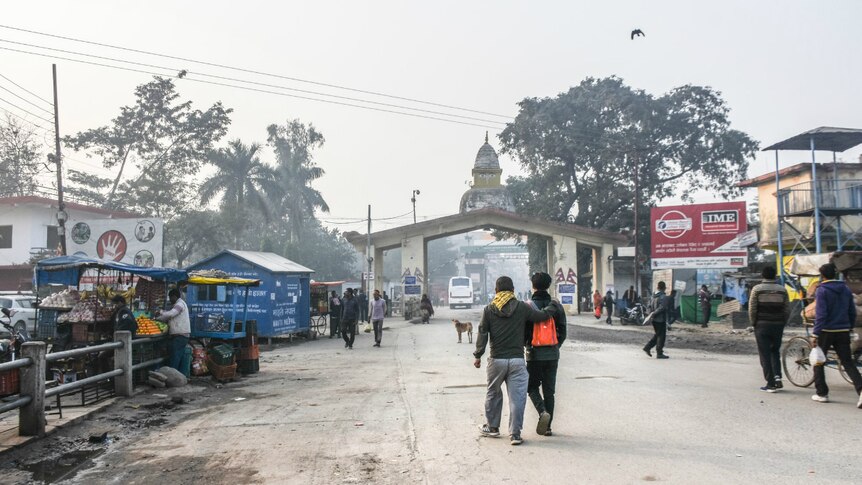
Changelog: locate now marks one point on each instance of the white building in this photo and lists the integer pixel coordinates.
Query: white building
(28, 227)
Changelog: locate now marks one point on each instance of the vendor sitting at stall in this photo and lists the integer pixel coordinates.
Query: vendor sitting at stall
(123, 318)
(177, 319)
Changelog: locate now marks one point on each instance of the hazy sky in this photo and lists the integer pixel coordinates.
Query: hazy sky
(783, 66)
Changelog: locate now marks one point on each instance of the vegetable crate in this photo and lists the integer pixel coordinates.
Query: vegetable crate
(10, 382)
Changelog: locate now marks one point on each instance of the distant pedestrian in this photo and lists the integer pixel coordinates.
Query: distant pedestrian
(504, 323)
(362, 300)
(349, 317)
(608, 302)
(378, 311)
(597, 304)
(658, 307)
(673, 315)
(834, 317)
(542, 361)
(768, 311)
(334, 315)
(388, 302)
(630, 297)
(426, 309)
(705, 304)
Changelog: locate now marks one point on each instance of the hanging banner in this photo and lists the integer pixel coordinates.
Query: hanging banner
(699, 236)
(132, 241)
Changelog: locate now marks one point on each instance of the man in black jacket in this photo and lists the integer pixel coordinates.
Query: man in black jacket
(349, 316)
(659, 309)
(504, 322)
(542, 361)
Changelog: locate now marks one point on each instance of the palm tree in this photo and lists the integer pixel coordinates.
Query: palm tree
(243, 180)
(296, 171)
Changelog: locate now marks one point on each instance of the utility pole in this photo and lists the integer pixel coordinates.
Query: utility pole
(413, 199)
(368, 260)
(637, 229)
(61, 206)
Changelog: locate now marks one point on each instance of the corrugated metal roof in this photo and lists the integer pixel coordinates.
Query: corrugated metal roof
(825, 138)
(270, 261)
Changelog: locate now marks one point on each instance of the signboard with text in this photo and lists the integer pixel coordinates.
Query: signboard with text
(699, 236)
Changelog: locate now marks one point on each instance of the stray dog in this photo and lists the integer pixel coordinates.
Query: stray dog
(464, 327)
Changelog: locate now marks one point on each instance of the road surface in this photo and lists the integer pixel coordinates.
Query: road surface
(409, 412)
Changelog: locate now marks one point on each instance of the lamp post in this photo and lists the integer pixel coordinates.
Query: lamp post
(413, 199)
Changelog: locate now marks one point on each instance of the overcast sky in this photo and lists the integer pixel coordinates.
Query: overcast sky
(783, 66)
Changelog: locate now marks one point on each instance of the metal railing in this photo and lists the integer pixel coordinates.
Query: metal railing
(33, 364)
(845, 195)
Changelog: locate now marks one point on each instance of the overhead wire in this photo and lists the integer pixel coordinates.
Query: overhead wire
(251, 71)
(246, 88)
(13, 93)
(27, 91)
(24, 110)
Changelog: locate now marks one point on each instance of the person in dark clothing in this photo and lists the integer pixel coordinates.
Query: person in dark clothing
(631, 297)
(334, 315)
(349, 317)
(673, 311)
(388, 302)
(542, 362)
(362, 300)
(123, 318)
(768, 311)
(834, 318)
(659, 309)
(426, 308)
(608, 303)
(504, 323)
(705, 305)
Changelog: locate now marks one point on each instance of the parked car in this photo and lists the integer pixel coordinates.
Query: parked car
(22, 309)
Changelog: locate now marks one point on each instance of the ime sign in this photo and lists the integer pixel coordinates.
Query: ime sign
(698, 236)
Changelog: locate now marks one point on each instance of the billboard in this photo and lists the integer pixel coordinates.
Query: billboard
(699, 236)
(132, 241)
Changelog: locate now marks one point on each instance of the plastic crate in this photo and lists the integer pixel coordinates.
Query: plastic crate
(80, 332)
(221, 354)
(221, 372)
(10, 382)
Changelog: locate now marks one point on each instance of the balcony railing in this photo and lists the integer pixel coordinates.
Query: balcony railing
(835, 196)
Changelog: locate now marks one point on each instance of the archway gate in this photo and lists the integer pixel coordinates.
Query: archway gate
(564, 241)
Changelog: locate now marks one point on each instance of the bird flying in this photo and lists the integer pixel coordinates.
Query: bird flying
(637, 32)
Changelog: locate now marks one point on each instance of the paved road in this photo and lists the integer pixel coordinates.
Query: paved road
(409, 412)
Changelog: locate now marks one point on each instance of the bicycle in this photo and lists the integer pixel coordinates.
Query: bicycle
(797, 367)
(319, 323)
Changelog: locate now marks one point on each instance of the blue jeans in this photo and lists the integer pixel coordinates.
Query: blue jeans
(176, 349)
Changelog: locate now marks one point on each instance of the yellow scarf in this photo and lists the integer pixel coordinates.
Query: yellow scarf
(501, 298)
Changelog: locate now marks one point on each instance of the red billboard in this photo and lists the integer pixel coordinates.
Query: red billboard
(698, 236)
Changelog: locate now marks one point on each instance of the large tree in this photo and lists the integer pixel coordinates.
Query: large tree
(294, 144)
(581, 148)
(243, 180)
(165, 138)
(20, 158)
(193, 236)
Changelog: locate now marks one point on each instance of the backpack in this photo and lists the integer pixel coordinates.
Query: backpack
(544, 332)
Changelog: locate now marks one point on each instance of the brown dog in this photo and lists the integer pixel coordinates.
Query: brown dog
(464, 327)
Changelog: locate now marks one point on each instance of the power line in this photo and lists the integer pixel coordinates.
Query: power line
(24, 110)
(27, 91)
(246, 88)
(251, 71)
(26, 100)
(26, 120)
(225, 78)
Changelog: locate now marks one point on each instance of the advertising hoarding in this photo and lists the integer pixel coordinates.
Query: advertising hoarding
(132, 241)
(699, 236)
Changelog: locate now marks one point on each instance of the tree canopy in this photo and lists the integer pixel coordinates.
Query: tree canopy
(581, 148)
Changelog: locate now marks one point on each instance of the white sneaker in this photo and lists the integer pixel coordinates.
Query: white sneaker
(820, 398)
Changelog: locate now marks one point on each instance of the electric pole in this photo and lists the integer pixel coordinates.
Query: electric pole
(61, 206)
(413, 199)
(368, 260)
(637, 228)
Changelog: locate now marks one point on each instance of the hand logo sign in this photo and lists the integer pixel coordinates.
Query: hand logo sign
(111, 246)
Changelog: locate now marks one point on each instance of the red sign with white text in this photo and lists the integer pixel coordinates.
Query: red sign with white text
(698, 236)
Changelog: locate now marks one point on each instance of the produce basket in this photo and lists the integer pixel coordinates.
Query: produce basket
(9, 382)
(221, 372)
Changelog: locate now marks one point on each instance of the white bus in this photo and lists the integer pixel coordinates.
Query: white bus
(460, 292)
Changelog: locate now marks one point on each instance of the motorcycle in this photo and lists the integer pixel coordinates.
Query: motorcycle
(10, 348)
(634, 315)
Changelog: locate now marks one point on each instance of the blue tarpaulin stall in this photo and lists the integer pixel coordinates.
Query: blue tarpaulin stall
(281, 303)
(67, 270)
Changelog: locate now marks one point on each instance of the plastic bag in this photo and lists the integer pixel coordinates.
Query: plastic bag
(817, 357)
(367, 328)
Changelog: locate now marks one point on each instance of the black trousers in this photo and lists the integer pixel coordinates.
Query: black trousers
(348, 332)
(706, 310)
(334, 322)
(610, 311)
(768, 338)
(658, 338)
(543, 374)
(840, 341)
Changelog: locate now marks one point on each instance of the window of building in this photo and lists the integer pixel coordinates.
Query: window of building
(855, 196)
(784, 201)
(212, 293)
(5, 237)
(53, 239)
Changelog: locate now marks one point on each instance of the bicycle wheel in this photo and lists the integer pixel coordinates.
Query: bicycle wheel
(857, 360)
(794, 357)
(320, 325)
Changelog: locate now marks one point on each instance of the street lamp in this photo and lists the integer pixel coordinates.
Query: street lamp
(413, 199)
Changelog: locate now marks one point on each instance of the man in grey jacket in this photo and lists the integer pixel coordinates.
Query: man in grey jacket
(504, 323)
(768, 311)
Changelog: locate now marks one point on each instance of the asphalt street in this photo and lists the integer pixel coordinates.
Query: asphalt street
(410, 411)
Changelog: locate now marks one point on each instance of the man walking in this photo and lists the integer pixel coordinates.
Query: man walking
(768, 311)
(362, 301)
(378, 311)
(705, 305)
(542, 361)
(834, 317)
(630, 297)
(504, 322)
(659, 309)
(334, 315)
(349, 316)
(609, 306)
